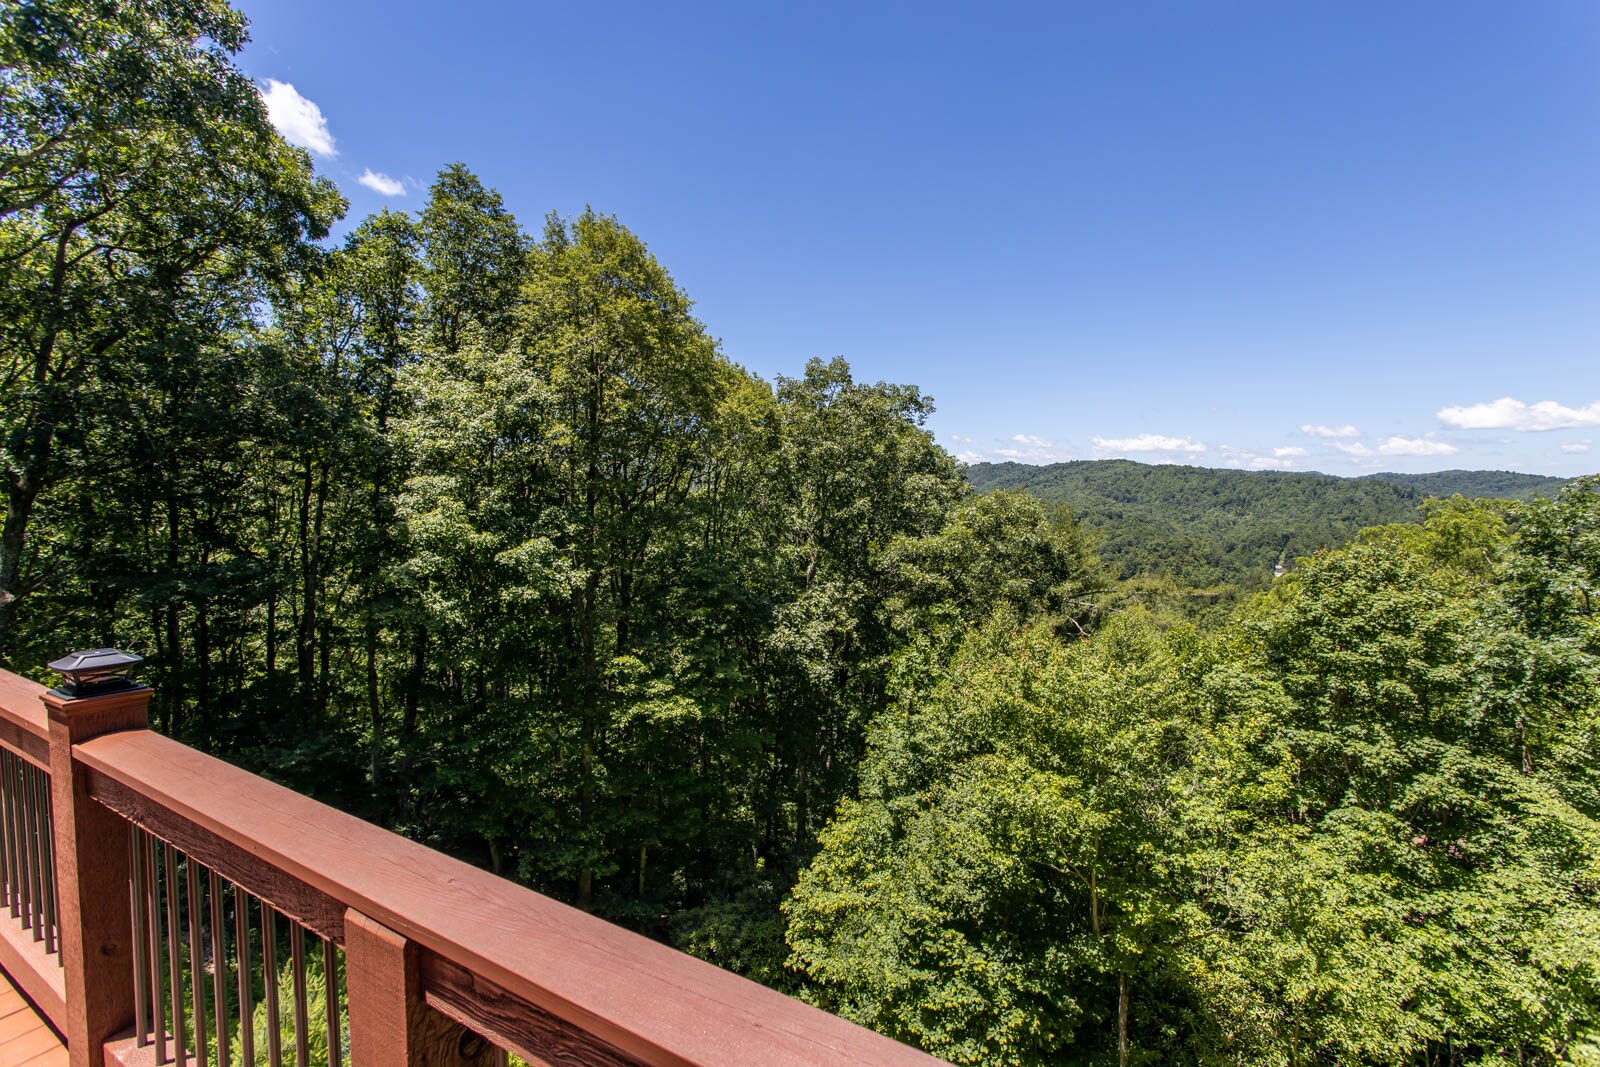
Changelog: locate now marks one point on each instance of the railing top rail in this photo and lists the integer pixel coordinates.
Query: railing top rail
(23, 726)
(646, 999)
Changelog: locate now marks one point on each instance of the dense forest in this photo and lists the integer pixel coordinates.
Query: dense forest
(473, 529)
(1204, 527)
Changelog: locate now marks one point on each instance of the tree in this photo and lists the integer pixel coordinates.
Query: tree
(144, 201)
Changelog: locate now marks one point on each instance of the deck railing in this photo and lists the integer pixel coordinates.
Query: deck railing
(161, 906)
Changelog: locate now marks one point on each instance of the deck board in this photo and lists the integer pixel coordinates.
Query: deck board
(26, 1040)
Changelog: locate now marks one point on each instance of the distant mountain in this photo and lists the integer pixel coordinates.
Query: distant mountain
(1490, 485)
(1210, 527)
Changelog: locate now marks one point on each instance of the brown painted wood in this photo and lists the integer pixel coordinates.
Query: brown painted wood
(92, 866)
(530, 1032)
(26, 1037)
(35, 972)
(640, 997)
(312, 908)
(124, 1051)
(23, 726)
(390, 1023)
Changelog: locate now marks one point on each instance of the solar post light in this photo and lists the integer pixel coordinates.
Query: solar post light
(96, 671)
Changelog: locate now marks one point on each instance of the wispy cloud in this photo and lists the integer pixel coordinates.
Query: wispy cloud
(1244, 459)
(1329, 431)
(1576, 448)
(1032, 441)
(1510, 414)
(379, 182)
(1401, 446)
(1289, 452)
(1146, 442)
(959, 439)
(298, 119)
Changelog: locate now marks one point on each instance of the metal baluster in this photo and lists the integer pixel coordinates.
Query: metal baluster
(197, 966)
(330, 973)
(241, 939)
(219, 971)
(269, 961)
(47, 841)
(141, 973)
(174, 956)
(36, 844)
(30, 849)
(6, 866)
(297, 953)
(152, 909)
(19, 866)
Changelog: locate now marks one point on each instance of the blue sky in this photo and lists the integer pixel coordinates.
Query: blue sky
(1319, 236)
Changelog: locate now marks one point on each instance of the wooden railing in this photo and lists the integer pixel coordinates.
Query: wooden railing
(161, 906)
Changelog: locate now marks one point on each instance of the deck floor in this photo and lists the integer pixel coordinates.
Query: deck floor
(25, 1039)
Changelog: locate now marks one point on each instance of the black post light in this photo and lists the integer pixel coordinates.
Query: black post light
(95, 671)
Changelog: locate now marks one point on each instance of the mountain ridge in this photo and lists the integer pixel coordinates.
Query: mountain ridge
(1206, 526)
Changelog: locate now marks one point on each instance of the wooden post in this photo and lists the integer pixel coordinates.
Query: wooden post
(391, 1024)
(92, 866)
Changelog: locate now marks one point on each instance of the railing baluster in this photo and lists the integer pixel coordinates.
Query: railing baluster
(30, 849)
(174, 939)
(219, 970)
(152, 911)
(7, 865)
(297, 953)
(141, 991)
(197, 966)
(269, 964)
(48, 853)
(330, 973)
(241, 938)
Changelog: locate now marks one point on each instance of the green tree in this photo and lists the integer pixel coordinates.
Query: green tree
(144, 203)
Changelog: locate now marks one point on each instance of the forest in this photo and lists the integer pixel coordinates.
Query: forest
(1206, 528)
(470, 527)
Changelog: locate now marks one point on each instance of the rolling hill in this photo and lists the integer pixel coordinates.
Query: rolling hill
(1205, 526)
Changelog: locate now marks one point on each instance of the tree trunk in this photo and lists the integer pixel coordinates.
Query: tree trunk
(1122, 1020)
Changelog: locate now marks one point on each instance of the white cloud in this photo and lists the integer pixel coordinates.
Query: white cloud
(1330, 431)
(1576, 448)
(298, 119)
(382, 183)
(959, 439)
(1402, 446)
(1289, 452)
(1147, 442)
(1244, 459)
(1509, 414)
(1032, 441)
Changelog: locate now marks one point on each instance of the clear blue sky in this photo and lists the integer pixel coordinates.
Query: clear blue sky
(1196, 232)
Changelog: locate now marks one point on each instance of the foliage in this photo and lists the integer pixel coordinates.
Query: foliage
(1207, 528)
(1356, 826)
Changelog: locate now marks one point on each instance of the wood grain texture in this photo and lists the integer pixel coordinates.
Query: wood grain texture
(23, 727)
(531, 1032)
(312, 908)
(25, 1036)
(92, 869)
(32, 970)
(390, 1024)
(644, 999)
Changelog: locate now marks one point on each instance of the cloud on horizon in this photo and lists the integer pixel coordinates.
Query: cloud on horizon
(1511, 414)
(1146, 442)
(379, 182)
(299, 120)
(1329, 431)
(1399, 445)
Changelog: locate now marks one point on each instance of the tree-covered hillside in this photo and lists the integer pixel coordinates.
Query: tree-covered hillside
(1206, 527)
(1476, 485)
